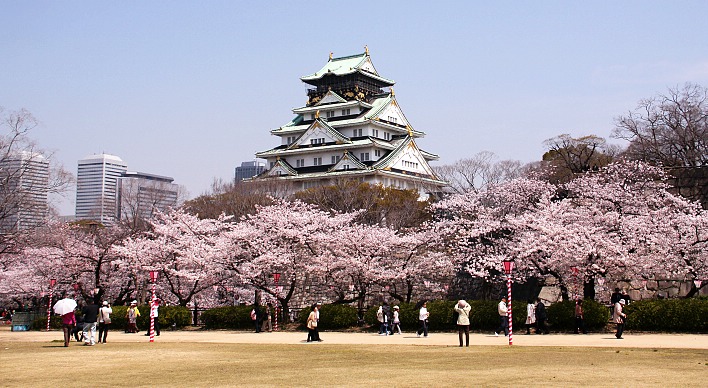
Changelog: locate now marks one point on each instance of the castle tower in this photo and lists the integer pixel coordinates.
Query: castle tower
(351, 127)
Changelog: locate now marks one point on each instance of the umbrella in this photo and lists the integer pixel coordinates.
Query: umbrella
(64, 306)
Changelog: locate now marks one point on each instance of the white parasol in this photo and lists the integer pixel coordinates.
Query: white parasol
(64, 306)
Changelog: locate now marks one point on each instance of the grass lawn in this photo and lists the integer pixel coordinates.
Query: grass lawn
(36, 364)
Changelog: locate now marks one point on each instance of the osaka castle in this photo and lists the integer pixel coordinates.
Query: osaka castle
(351, 128)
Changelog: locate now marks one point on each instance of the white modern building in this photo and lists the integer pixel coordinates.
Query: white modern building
(141, 195)
(352, 127)
(96, 182)
(24, 180)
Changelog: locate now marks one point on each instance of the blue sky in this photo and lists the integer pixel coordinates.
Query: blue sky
(191, 89)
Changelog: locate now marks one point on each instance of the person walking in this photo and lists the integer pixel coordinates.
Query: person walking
(68, 321)
(579, 317)
(317, 328)
(382, 321)
(132, 315)
(257, 313)
(104, 320)
(154, 314)
(620, 317)
(463, 320)
(78, 330)
(530, 316)
(90, 312)
(396, 321)
(503, 318)
(541, 316)
(423, 316)
(267, 324)
(312, 324)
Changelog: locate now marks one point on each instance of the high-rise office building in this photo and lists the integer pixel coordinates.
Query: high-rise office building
(24, 179)
(96, 181)
(141, 195)
(248, 170)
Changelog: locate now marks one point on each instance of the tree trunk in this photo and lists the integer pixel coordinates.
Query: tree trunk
(589, 289)
(564, 292)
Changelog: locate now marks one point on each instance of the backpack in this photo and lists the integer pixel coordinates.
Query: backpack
(455, 315)
(253, 314)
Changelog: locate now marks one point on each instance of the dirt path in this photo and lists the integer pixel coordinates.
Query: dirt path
(631, 340)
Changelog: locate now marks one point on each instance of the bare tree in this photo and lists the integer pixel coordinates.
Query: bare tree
(478, 172)
(233, 199)
(28, 175)
(139, 200)
(568, 156)
(669, 130)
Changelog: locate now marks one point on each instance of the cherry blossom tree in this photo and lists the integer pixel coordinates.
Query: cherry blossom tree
(288, 238)
(188, 252)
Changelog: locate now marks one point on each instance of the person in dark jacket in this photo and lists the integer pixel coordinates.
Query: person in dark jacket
(90, 312)
(259, 317)
(541, 317)
(78, 330)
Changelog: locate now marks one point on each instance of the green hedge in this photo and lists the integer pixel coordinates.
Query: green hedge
(561, 315)
(483, 315)
(178, 315)
(671, 315)
(41, 323)
(332, 316)
(230, 317)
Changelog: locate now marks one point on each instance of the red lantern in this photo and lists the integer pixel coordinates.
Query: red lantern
(276, 277)
(52, 282)
(508, 266)
(153, 276)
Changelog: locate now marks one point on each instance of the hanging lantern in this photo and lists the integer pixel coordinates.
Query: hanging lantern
(153, 276)
(508, 266)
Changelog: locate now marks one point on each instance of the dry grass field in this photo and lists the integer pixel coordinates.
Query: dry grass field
(185, 364)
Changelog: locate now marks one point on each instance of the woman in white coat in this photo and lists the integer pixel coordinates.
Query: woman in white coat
(462, 308)
(530, 316)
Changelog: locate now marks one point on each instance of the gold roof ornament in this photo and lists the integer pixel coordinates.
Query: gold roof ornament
(317, 114)
(410, 131)
(330, 55)
(392, 92)
(366, 49)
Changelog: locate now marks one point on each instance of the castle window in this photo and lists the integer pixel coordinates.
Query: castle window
(387, 136)
(330, 113)
(319, 140)
(364, 156)
(300, 163)
(357, 132)
(346, 112)
(335, 159)
(317, 161)
(377, 153)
